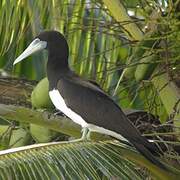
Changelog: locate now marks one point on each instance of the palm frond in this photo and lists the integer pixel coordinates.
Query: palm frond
(75, 160)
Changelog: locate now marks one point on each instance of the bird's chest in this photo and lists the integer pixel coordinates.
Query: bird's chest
(60, 104)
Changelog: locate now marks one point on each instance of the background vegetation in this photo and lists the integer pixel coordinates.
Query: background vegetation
(131, 48)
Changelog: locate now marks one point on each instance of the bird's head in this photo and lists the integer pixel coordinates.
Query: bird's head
(50, 40)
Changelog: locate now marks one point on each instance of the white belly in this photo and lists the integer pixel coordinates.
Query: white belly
(60, 104)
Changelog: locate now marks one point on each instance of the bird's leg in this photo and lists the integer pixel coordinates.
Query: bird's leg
(88, 136)
(57, 112)
(85, 134)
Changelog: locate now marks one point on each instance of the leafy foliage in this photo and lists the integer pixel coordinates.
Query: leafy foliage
(138, 68)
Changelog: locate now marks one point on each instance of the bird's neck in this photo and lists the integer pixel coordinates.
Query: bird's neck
(57, 68)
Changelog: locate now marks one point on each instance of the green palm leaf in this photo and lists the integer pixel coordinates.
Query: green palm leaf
(75, 160)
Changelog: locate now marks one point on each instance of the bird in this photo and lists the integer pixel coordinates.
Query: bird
(83, 101)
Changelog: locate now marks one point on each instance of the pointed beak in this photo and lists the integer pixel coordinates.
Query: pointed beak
(35, 46)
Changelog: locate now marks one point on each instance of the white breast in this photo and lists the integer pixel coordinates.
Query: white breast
(60, 104)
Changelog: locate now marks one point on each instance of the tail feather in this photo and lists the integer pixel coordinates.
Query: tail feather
(148, 155)
(150, 146)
